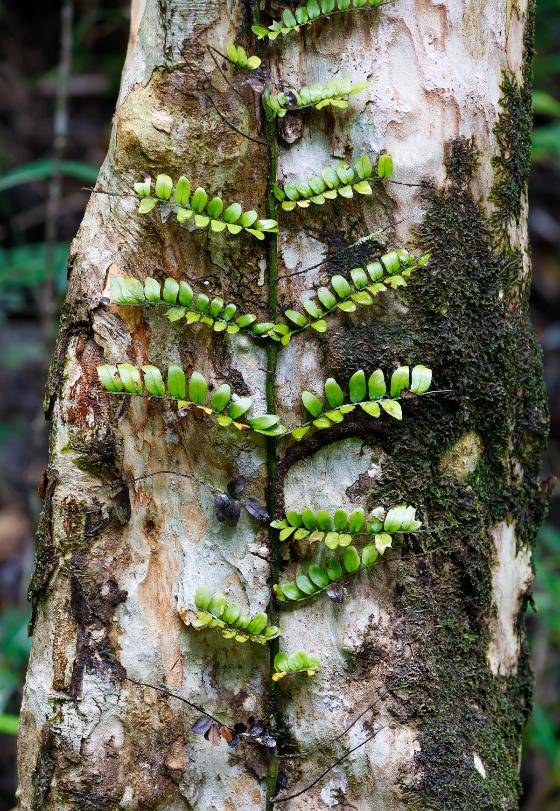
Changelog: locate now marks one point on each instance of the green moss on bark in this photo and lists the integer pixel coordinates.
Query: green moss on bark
(478, 339)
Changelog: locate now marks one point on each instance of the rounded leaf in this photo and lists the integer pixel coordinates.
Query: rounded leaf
(202, 597)
(318, 575)
(369, 555)
(357, 386)
(281, 664)
(220, 397)
(351, 559)
(198, 388)
(334, 569)
(304, 584)
(312, 403)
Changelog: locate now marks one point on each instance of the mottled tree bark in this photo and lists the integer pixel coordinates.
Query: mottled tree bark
(435, 642)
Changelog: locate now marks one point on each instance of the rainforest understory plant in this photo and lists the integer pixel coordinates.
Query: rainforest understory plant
(371, 394)
(296, 411)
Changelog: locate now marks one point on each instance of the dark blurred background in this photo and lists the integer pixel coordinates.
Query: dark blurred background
(59, 75)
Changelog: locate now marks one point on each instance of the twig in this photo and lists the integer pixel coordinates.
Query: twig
(329, 769)
(223, 75)
(167, 692)
(120, 482)
(343, 251)
(217, 109)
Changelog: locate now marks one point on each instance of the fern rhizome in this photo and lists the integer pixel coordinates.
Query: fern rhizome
(345, 543)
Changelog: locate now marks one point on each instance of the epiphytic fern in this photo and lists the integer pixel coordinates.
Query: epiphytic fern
(197, 210)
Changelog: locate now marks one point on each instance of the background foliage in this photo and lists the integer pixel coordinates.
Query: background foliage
(29, 73)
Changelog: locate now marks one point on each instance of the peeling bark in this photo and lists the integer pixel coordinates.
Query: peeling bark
(435, 643)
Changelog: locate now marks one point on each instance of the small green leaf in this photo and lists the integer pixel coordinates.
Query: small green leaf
(351, 559)
(248, 218)
(421, 379)
(299, 433)
(293, 518)
(185, 294)
(239, 407)
(369, 555)
(359, 277)
(356, 521)
(363, 187)
(304, 584)
(391, 262)
(220, 397)
(215, 207)
(333, 393)
(263, 422)
(392, 407)
(109, 377)
(217, 604)
(257, 624)
(308, 518)
(312, 404)
(198, 388)
(176, 383)
(296, 318)
(199, 199)
(332, 540)
(281, 664)
(292, 592)
(170, 291)
(130, 377)
(384, 166)
(324, 521)
(146, 205)
(371, 408)
(334, 569)
(182, 191)
(153, 381)
(340, 520)
(203, 597)
(357, 386)
(164, 187)
(318, 575)
(363, 164)
(341, 286)
(232, 213)
(399, 380)
(326, 297)
(376, 385)
(382, 542)
(253, 62)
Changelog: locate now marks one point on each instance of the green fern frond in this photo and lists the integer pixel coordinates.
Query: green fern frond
(124, 378)
(319, 579)
(291, 664)
(214, 611)
(341, 181)
(197, 210)
(334, 93)
(237, 55)
(340, 529)
(391, 271)
(307, 13)
(368, 395)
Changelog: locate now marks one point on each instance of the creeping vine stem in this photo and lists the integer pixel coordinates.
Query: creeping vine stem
(271, 445)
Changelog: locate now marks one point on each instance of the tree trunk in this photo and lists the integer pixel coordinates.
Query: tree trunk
(432, 639)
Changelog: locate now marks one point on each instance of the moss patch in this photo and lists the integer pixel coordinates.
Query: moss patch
(480, 344)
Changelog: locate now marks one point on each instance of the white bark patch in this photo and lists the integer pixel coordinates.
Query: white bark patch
(321, 481)
(511, 577)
